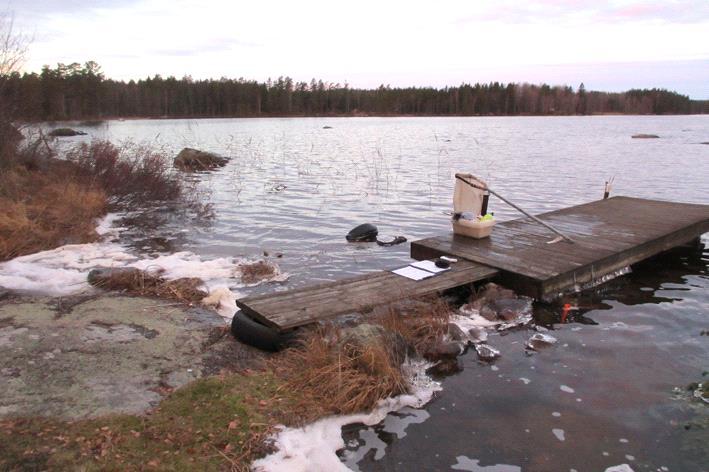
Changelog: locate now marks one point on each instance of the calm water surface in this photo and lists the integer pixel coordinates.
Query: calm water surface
(603, 395)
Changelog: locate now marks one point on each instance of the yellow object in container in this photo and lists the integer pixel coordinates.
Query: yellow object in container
(467, 199)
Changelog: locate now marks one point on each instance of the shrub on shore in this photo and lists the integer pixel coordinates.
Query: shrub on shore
(50, 202)
(130, 175)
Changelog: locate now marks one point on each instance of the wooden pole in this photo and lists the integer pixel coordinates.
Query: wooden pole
(546, 225)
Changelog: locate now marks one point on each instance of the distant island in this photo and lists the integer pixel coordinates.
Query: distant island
(82, 92)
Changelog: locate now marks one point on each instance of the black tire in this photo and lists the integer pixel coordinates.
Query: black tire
(253, 333)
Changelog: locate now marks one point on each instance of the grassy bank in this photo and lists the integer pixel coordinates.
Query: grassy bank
(215, 423)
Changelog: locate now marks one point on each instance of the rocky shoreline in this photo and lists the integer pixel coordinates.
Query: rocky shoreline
(89, 356)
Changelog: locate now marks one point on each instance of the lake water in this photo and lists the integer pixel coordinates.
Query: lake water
(602, 396)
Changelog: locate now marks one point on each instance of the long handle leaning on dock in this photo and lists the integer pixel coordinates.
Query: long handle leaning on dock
(546, 225)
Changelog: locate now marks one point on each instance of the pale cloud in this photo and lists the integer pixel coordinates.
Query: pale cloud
(396, 42)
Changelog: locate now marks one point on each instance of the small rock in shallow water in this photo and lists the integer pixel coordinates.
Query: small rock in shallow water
(443, 350)
(477, 334)
(488, 313)
(540, 341)
(486, 352)
(455, 333)
(446, 367)
(510, 309)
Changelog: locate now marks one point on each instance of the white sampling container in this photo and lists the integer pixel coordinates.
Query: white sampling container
(468, 200)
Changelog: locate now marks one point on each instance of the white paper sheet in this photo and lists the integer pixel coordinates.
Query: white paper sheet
(429, 266)
(413, 273)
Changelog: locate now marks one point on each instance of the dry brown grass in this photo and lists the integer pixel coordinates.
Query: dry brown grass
(257, 271)
(139, 282)
(44, 210)
(336, 378)
(420, 322)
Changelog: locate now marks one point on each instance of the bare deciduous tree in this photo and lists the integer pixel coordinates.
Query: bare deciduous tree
(13, 45)
(13, 51)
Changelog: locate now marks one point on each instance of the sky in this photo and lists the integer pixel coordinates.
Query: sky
(611, 46)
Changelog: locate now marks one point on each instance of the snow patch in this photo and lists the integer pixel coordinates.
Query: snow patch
(559, 433)
(63, 271)
(619, 468)
(315, 446)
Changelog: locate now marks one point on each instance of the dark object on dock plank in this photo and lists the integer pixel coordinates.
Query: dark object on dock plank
(285, 310)
(609, 234)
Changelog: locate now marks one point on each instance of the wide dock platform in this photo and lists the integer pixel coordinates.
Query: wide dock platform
(608, 235)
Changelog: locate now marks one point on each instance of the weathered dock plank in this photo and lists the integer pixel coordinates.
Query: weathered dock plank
(609, 235)
(285, 310)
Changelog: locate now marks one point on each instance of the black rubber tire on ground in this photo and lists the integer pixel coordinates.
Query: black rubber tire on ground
(253, 333)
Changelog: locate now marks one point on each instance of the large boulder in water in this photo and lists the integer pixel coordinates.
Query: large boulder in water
(64, 132)
(193, 159)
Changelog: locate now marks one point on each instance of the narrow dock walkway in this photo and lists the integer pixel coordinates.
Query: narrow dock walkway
(609, 235)
(284, 310)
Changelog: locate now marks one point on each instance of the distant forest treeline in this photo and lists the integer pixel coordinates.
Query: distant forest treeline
(82, 92)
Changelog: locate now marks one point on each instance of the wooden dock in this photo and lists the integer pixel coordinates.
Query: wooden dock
(609, 235)
(285, 310)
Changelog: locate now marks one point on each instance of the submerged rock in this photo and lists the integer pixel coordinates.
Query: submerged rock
(509, 309)
(540, 341)
(443, 350)
(486, 352)
(65, 132)
(500, 306)
(645, 136)
(489, 294)
(193, 160)
(446, 367)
